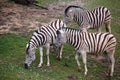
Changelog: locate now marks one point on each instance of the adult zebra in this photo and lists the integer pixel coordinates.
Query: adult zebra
(89, 19)
(88, 43)
(44, 36)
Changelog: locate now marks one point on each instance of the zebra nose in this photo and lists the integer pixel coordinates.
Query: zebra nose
(55, 47)
(26, 66)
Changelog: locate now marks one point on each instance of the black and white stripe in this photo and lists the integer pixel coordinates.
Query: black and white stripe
(89, 19)
(44, 36)
(88, 43)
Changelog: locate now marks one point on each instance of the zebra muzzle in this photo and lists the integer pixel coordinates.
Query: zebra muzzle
(26, 66)
(55, 47)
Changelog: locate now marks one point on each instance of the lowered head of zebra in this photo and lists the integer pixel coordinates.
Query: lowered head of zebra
(60, 39)
(69, 12)
(30, 55)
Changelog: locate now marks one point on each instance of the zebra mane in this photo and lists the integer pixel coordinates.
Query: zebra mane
(71, 6)
(72, 29)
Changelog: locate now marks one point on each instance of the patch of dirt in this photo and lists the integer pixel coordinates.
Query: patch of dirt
(15, 18)
(72, 77)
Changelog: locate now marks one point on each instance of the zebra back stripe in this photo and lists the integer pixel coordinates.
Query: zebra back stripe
(94, 42)
(72, 6)
(46, 33)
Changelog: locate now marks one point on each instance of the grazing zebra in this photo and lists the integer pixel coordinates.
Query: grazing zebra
(44, 36)
(89, 19)
(88, 43)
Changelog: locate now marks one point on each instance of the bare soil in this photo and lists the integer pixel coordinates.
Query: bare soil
(15, 18)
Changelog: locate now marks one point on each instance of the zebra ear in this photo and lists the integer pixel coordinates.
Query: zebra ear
(70, 10)
(65, 25)
(27, 46)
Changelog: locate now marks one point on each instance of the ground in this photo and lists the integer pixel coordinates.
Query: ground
(17, 18)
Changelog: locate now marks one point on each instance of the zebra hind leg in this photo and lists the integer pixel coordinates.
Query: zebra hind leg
(107, 25)
(84, 56)
(111, 60)
(78, 63)
(99, 29)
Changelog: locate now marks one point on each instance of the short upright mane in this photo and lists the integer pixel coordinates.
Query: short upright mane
(72, 6)
(72, 29)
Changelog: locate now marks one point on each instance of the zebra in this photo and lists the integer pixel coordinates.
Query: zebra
(89, 19)
(85, 42)
(43, 37)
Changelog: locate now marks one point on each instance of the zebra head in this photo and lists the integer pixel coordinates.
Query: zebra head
(69, 16)
(30, 55)
(60, 39)
(70, 11)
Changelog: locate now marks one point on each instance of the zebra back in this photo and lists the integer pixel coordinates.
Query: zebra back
(102, 11)
(46, 34)
(72, 7)
(90, 42)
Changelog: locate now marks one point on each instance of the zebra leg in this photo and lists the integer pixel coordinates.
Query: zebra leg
(99, 29)
(47, 53)
(59, 57)
(107, 25)
(76, 58)
(111, 61)
(83, 29)
(83, 54)
(41, 57)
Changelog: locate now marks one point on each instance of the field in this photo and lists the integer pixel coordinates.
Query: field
(12, 53)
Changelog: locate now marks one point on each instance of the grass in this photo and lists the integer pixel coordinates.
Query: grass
(12, 55)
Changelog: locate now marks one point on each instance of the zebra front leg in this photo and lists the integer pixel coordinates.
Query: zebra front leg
(78, 63)
(59, 57)
(47, 53)
(83, 54)
(41, 57)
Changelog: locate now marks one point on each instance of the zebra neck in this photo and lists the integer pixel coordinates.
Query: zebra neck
(33, 46)
(77, 19)
(73, 38)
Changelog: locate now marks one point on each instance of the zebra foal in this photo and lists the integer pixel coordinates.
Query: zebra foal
(88, 43)
(43, 37)
(89, 19)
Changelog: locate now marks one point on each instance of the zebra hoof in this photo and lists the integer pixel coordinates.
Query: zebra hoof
(48, 65)
(108, 74)
(58, 58)
(40, 65)
(79, 69)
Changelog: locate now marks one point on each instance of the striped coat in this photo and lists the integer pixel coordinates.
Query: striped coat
(43, 37)
(88, 43)
(89, 19)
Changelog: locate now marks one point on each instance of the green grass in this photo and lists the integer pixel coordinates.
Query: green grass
(12, 55)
